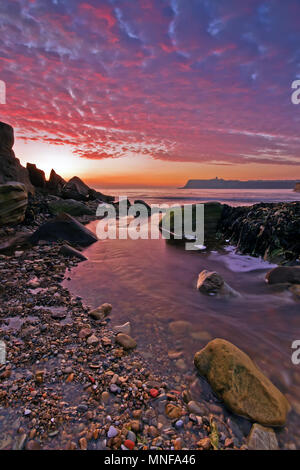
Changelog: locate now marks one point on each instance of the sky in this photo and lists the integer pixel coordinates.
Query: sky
(153, 92)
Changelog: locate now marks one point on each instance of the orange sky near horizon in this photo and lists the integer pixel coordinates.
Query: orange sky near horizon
(138, 170)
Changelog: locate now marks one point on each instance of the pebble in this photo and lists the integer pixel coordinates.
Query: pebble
(112, 432)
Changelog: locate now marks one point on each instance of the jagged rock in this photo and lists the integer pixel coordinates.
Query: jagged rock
(76, 189)
(66, 228)
(10, 167)
(69, 206)
(261, 438)
(284, 275)
(69, 251)
(13, 203)
(36, 176)
(212, 283)
(244, 389)
(269, 230)
(55, 184)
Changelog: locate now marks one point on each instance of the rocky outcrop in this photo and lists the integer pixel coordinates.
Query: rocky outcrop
(64, 228)
(10, 167)
(212, 217)
(69, 206)
(284, 275)
(244, 389)
(76, 189)
(297, 187)
(13, 203)
(212, 283)
(55, 184)
(267, 230)
(36, 176)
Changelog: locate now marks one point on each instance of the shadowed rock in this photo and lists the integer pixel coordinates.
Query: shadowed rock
(13, 203)
(64, 228)
(70, 252)
(10, 167)
(36, 176)
(55, 183)
(69, 206)
(284, 275)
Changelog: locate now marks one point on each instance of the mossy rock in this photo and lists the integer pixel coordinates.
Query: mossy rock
(244, 389)
(69, 206)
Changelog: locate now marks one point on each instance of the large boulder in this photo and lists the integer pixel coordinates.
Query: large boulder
(55, 183)
(64, 228)
(10, 167)
(212, 283)
(69, 206)
(76, 189)
(13, 203)
(284, 275)
(244, 389)
(36, 176)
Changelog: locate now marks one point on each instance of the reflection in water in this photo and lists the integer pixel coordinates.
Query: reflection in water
(152, 283)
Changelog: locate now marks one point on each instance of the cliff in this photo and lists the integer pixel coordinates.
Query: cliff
(237, 184)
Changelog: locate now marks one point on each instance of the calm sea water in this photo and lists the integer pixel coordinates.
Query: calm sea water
(152, 283)
(187, 196)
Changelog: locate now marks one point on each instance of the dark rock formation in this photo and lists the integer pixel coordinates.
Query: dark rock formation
(267, 230)
(10, 167)
(13, 203)
(69, 206)
(64, 228)
(76, 189)
(284, 275)
(70, 252)
(55, 184)
(36, 176)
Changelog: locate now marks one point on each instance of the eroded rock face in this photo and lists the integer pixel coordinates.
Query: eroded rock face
(55, 183)
(284, 275)
(10, 167)
(36, 176)
(64, 227)
(244, 389)
(13, 203)
(76, 189)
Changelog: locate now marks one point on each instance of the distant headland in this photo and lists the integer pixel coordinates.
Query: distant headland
(219, 183)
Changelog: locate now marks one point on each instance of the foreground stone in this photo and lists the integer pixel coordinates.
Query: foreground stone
(64, 227)
(69, 251)
(126, 341)
(284, 275)
(100, 313)
(69, 206)
(13, 203)
(261, 438)
(240, 384)
(212, 283)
